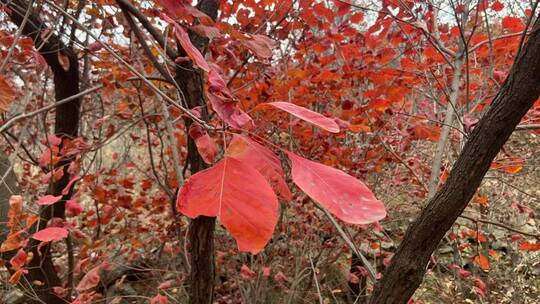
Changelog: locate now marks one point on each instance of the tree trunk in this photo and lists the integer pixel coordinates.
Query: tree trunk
(201, 229)
(66, 83)
(516, 97)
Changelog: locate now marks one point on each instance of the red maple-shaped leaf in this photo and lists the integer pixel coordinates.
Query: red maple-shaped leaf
(261, 158)
(239, 196)
(341, 194)
(314, 118)
(51, 234)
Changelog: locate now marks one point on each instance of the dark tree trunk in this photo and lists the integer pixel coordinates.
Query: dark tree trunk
(516, 97)
(66, 83)
(201, 229)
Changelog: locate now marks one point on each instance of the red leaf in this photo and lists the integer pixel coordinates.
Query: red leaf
(185, 42)
(16, 276)
(159, 299)
(18, 260)
(314, 118)
(341, 194)
(497, 6)
(60, 291)
(206, 31)
(228, 111)
(50, 234)
(205, 145)
(261, 158)
(6, 94)
(482, 261)
(39, 61)
(510, 165)
(247, 273)
(66, 189)
(90, 279)
(217, 86)
(464, 273)
(49, 200)
(222, 101)
(480, 287)
(179, 8)
(528, 246)
(260, 45)
(237, 194)
(73, 207)
(423, 132)
(54, 140)
(512, 24)
(280, 277)
(166, 285)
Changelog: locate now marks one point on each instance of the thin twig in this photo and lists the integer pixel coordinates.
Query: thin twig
(316, 280)
(371, 271)
(536, 236)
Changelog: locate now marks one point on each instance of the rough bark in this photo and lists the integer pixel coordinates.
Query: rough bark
(515, 98)
(201, 229)
(66, 84)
